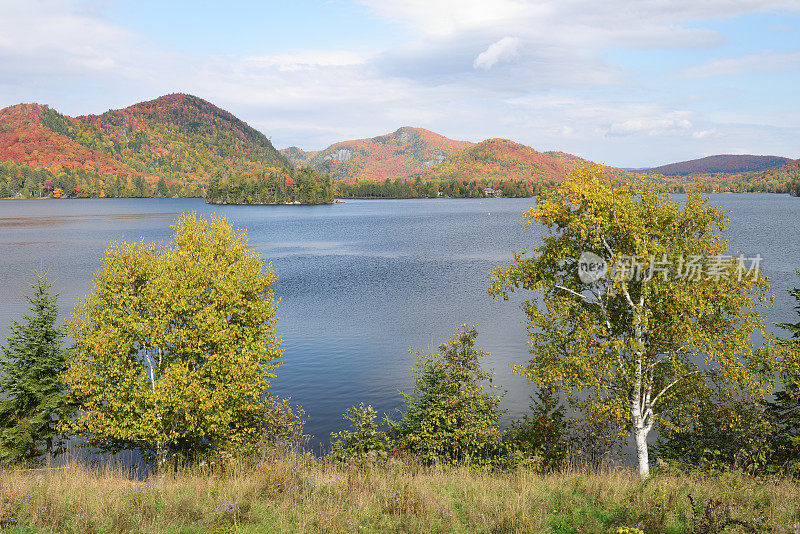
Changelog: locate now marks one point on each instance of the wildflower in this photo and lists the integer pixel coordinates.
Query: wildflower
(227, 505)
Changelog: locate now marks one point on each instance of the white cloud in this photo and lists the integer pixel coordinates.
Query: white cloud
(534, 72)
(702, 134)
(504, 50)
(446, 17)
(650, 126)
(51, 36)
(655, 23)
(761, 61)
(309, 60)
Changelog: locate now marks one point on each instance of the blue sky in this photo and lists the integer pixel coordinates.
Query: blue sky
(627, 83)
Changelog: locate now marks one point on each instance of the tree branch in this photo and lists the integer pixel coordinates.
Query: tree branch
(576, 294)
(627, 296)
(608, 326)
(667, 388)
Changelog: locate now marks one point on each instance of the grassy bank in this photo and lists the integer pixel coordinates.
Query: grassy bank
(304, 495)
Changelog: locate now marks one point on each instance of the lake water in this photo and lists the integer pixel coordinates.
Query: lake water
(360, 282)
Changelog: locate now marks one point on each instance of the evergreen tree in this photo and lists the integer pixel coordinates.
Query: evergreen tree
(363, 440)
(543, 432)
(786, 408)
(31, 364)
(161, 189)
(452, 417)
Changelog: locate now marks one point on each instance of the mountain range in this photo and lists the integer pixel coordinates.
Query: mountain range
(725, 163)
(181, 142)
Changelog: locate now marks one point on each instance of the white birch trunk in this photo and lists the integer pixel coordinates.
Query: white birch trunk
(641, 407)
(641, 427)
(640, 434)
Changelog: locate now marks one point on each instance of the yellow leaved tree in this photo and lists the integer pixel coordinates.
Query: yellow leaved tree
(175, 344)
(641, 306)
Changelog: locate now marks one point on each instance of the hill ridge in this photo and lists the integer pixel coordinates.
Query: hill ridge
(398, 154)
(180, 139)
(727, 163)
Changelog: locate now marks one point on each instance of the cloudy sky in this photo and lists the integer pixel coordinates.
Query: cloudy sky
(627, 83)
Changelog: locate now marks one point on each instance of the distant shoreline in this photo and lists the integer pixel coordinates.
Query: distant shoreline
(345, 199)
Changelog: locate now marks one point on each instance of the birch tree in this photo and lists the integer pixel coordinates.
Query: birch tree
(175, 344)
(639, 307)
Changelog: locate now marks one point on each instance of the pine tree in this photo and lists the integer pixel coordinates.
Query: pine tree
(31, 364)
(452, 417)
(161, 189)
(786, 408)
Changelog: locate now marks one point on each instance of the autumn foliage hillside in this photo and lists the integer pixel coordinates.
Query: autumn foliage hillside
(501, 159)
(399, 154)
(177, 144)
(791, 170)
(178, 135)
(788, 175)
(178, 139)
(25, 139)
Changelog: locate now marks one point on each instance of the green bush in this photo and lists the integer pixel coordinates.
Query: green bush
(727, 433)
(364, 441)
(541, 436)
(451, 417)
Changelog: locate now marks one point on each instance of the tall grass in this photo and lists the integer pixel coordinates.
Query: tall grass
(301, 494)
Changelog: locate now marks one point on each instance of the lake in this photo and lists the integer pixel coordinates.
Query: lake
(360, 282)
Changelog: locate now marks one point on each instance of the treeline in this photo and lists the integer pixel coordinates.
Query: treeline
(781, 180)
(420, 188)
(715, 183)
(20, 180)
(272, 186)
(307, 186)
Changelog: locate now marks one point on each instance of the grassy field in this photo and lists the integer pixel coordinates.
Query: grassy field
(306, 495)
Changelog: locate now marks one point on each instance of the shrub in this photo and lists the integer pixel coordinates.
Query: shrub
(365, 440)
(451, 417)
(727, 433)
(786, 408)
(541, 436)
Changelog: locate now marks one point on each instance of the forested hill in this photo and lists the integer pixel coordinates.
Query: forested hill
(177, 144)
(722, 163)
(501, 159)
(178, 139)
(26, 139)
(788, 174)
(399, 154)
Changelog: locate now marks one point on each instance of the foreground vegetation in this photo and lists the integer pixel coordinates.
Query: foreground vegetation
(298, 494)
